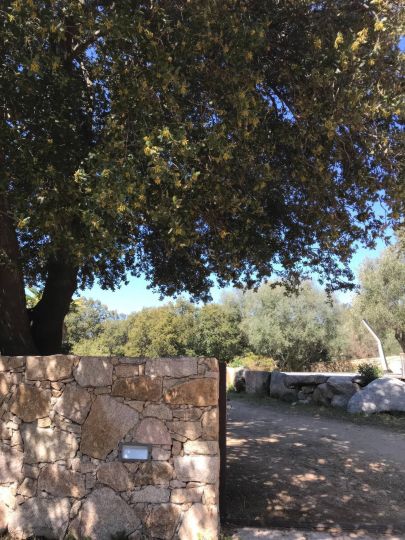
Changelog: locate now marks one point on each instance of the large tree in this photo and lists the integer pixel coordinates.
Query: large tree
(236, 138)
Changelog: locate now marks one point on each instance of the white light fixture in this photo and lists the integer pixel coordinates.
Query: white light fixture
(135, 452)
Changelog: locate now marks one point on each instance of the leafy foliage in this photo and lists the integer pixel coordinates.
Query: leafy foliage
(186, 139)
(294, 330)
(369, 372)
(382, 294)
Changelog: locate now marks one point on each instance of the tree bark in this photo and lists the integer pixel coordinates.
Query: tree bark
(400, 337)
(15, 333)
(48, 315)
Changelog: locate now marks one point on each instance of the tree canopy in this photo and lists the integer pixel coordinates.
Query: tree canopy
(382, 293)
(183, 140)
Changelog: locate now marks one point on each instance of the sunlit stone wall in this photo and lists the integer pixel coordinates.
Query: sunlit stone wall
(62, 421)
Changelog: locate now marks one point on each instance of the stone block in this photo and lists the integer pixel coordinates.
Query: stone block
(151, 494)
(4, 431)
(160, 454)
(171, 367)
(153, 472)
(140, 388)
(94, 371)
(257, 382)
(11, 464)
(162, 521)
(199, 392)
(74, 404)
(126, 370)
(40, 517)
(10, 363)
(31, 403)
(186, 495)
(190, 430)
(187, 415)
(28, 488)
(152, 431)
(47, 445)
(115, 475)
(106, 425)
(104, 514)
(163, 412)
(204, 469)
(278, 388)
(52, 368)
(201, 447)
(210, 425)
(4, 386)
(199, 522)
(60, 482)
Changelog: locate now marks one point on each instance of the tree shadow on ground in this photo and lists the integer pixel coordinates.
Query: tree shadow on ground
(295, 471)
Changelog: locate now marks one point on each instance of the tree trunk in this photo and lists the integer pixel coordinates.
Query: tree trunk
(15, 334)
(48, 315)
(400, 337)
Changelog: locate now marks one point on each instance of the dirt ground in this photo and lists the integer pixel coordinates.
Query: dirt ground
(294, 468)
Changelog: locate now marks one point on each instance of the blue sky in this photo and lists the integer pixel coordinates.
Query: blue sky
(135, 295)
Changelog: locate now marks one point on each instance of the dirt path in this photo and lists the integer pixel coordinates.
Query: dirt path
(293, 468)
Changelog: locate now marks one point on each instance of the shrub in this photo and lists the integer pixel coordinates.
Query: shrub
(335, 366)
(369, 372)
(254, 361)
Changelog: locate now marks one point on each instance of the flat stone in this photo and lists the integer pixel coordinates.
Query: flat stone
(115, 475)
(211, 494)
(199, 392)
(11, 464)
(187, 415)
(106, 425)
(190, 430)
(163, 412)
(47, 445)
(200, 522)
(7, 496)
(40, 517)
(31, 403)
(172, 367)
(94, 371)
(4, 386)
(211, 364)
(186, 495)
(203, 469)
(61, 482)
(104, 514)
(152, 431)
(154, 472)
(151, 494)
(162, 521)
(126, 370)
(295, 379)
(52, 368)
(210, 425)
(9, 363)
(381, 395)
(74, 404)
(340, 401)
(140, 388)
(201, 447)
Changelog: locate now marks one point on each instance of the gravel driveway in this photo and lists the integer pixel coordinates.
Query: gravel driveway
(293, 468)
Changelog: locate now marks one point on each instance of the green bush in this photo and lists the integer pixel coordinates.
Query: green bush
(369, 372)
(254, 361)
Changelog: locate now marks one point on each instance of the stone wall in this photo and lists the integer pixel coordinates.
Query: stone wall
(62, 420)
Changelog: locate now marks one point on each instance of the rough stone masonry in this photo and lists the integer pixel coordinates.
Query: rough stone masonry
(62, 420)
